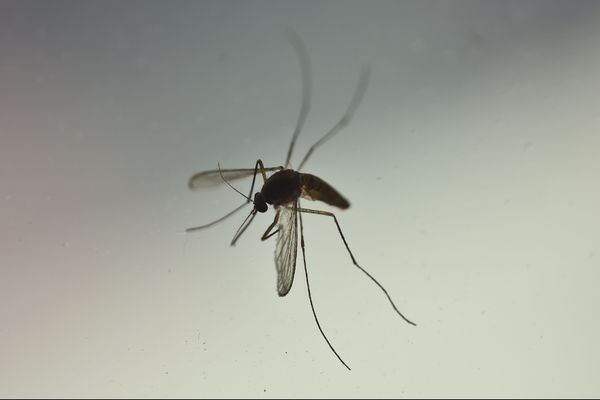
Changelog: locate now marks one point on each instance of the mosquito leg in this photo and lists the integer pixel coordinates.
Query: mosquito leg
(304, 59)
(267, 235)
(207, 177)
(262, 171)
(250, 217)
(197, 228)
(312, 307)
(345, 120)
(329, 214)
(243, 227)
(258, 164)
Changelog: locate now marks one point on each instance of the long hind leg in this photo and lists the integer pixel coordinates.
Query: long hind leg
(312, 306)
(329, 214)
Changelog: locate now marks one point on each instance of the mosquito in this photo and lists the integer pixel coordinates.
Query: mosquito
(283, 190)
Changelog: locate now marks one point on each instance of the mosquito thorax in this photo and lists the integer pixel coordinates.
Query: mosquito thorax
(260, 204)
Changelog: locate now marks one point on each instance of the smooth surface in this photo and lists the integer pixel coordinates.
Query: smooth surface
(471, 168)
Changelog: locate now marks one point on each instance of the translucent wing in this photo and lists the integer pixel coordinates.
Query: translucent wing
(286, 248)
(213, 177)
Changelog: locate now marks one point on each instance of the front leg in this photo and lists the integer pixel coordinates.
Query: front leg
(259, 164)
(267, 235)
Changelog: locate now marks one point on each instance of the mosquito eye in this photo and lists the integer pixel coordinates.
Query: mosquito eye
(262, 207)
(260, 204)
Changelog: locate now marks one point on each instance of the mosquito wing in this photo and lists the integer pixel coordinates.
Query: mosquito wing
(286, 248)
(213, 177)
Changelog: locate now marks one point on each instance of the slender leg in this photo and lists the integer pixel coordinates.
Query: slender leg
(329, 214)
(304, 59)
(267, 235)
(243, 227)
(259, 164)
(345, 120)
(310, 296)
(250, 217)
(208, 176)
(197, 228)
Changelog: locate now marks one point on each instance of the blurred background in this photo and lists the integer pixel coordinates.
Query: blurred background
(471, 166)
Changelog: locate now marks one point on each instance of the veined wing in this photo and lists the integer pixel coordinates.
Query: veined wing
(213, 177)
(286, 248)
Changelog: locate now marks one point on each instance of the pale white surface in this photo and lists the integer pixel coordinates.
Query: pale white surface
(472, 169)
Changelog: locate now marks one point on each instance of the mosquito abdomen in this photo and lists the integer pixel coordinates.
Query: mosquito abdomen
(315, 188)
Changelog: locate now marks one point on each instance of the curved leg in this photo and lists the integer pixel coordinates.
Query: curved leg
(267, 235)
(345, 120)
(209, 175)
(310, 295)
(332, 215)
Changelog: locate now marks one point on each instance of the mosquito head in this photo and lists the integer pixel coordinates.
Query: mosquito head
(260, 204)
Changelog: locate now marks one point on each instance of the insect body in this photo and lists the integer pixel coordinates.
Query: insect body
(283, 191)
(286, 186)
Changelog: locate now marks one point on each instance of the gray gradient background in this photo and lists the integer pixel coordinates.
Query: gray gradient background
(472, 167)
